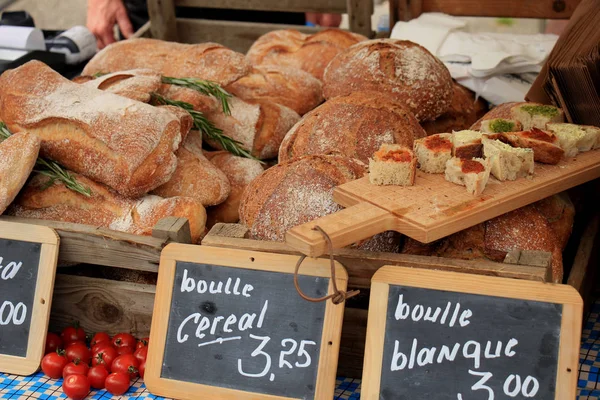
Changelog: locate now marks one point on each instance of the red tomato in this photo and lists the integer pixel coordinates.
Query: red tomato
(99, 338)
(125, 350)
(76, 387)
(97, 376)
(53, 343)
(142, 343)
(79, 351)
(124, 340)
(53, 364)
(101, 346)
(142, 369)
(75, 368)
(105, 357)
(65, 345)
(117, 383)
(126, 364)
(72, 334)
(141, 354)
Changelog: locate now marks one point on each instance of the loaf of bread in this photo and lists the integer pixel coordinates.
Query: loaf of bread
(200, 102)
(288, 86)
(405, 71)
(291, 48)
(195, 176)
(125, 144)
(354, 126)
(135, 84)
(259, 126)
(544, 144)
(507, 162)
(240, 171)
(393, 164)
(461, 114)
(433, 152)
(18, 155)
(208, 61)
(105, 208)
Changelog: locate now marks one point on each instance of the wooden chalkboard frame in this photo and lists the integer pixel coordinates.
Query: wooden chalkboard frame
(330, 339)
(40, 315)
(572, 314)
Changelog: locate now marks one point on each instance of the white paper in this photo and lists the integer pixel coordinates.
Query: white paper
(21, 38)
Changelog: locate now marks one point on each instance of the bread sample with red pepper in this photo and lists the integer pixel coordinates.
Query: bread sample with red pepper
(473, 173)
(392, 164)
(433, 152)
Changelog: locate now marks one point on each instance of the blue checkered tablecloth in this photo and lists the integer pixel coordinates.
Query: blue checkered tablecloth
(38, 386)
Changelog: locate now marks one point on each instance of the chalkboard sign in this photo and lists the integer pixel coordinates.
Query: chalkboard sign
(229, 324)
(28, 256)
(449, 336)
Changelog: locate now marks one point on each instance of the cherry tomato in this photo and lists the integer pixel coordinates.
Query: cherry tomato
(142, 343)
(53, 364)
(80, 352)
(99, 338)
(97, 376)
(126, 364)
(141, 354)
(142, 369)
(53, 343)
(72, 334)
(117, 383)
(105, 357)
(75, 368)
(124, 340)
(76, 387)
(100, 346)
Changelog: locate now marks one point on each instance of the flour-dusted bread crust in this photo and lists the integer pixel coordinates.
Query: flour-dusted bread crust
(433, 152)
(461, 114)
(200, 102)
(291, 48)
(544, 144)
(195, 176)
(288, 86)
(393, 164)
(209, 61)
(355, 126)
(405, 71)
(105, 208)
(474, 173)
(137, 84)
(18, 155)
(125, 144)
(240, 171)
(259, 126)
(508, 163)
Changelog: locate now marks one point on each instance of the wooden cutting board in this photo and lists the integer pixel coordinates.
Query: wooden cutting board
(434, 208)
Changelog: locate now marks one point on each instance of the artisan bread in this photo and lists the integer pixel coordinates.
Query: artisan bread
(508, 163)
(433, 152)
(502, 111)
(195, 176)
(405, 71)
(208, 61)
(355, 126)
(500, 125)
(467, 144)
(573, 138)
(393, 164)
(290, 87)
(544, 144)
(259, 126)
(560, 213)
(291, 48)
(534, 115)
(18, 155)
(136, 84)
(461, 114)
(42, 199)
(125, 144)
(199, 102)
(240, 171)
(474, 173)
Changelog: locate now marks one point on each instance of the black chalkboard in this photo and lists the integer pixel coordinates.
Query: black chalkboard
(285, 336)
(19, 265)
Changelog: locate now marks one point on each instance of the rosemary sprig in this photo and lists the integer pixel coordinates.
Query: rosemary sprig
(51, 169)
(207, 128)
(205, 87)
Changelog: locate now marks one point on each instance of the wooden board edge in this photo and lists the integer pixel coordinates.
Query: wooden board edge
(568, 353)
(29, 233)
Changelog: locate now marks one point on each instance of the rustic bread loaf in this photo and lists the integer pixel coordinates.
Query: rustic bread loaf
(137, 84)
(291, 48)
(186, 122)
(200, 102)
(195, 176)
(209, 61)
(393, 164)
(105, 208)
(125, 144)
(405, 71)
(355, 126)
(18, 155)
(560, 213)
(461, 114)
(259, 125)
(288, 86)
(240, 171)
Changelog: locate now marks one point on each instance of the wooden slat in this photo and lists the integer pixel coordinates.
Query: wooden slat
(321, 6)
(501, 8)
(359, 16)
(238, 36)
(162, 17)
(584, 270)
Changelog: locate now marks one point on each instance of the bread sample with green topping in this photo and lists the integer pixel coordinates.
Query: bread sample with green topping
(508, 163)
(473, 173)
(573, 139)
(500, 125)
(544, 144)
(534, 115)
(595, 131)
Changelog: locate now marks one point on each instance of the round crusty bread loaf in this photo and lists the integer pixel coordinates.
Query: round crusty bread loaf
(300, 191)
(460, 116)
(291, 48)
(209, 61)
(18, 155)
(404, 70)
(288, 86)
(354, 126)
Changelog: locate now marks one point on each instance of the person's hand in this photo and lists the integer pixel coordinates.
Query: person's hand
(101, 18)
(327, 20)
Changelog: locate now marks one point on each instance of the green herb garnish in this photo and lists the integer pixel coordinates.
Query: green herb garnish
(205, 87)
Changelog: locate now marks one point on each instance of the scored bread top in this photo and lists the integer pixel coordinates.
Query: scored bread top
(135, 84)
(209, 61)
(401, 69)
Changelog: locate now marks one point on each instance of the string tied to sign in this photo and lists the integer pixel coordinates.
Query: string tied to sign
(338, 296)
